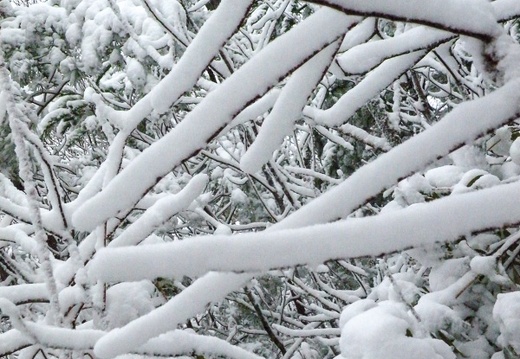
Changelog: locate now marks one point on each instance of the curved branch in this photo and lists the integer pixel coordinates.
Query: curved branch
(478, 20)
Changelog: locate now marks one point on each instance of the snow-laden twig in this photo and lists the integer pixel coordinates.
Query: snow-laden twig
(287, 109)
(478, 20)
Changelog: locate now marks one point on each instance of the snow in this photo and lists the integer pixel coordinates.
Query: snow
(25, 293)
(436, 316)
(464, 123)
(215, 31)
(186, 72)
(380, 331)
(128, 301)
(358, 34)
(26, 333)
(426, 147)
(508, 51)
(18, 236)
(366, 56)
(448, 272)
(444, 176)
(354, 309)
(178, 309)
(69, 296)
(411, 190)
(507, 313)
(478, 19)
(114, 200)
(182, 77)
(13, 340)
(358, 133)
(55, 337)
(506, 9)
(368, 88)
(185, 342)
(160, 212)
(256, 109)
(136, 73)
(180, 342)
(307, 332)
(400, 287)
(484, 265)
(238, 196)
(12, 36)
(514, 151)
(501, 142)
(252, 80)
(476, 349)
(475, 179)
(15, 210)
(258, 252)
(287, 109)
